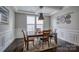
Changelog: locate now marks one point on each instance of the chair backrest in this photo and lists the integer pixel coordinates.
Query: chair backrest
(46, 33)
(24, 35)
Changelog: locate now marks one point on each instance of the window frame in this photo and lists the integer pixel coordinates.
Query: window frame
(35, 23)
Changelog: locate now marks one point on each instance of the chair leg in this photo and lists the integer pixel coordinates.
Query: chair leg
(42, 44)
(33, 43)
(24, 48)
(48, 44)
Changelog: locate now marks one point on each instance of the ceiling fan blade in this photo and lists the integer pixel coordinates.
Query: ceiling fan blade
(55, 7)
(26, 11)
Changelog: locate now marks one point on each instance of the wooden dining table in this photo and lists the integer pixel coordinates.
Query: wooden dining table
(41, 35)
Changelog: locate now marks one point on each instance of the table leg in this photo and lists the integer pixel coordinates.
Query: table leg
(27, 43)
(50, 39)
(55, 37)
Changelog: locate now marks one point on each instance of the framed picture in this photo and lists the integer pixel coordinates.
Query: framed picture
(61, 19)
(4, 15)
(64, 19)
(67, 19)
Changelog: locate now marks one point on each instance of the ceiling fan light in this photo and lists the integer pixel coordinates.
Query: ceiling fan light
(41, 17)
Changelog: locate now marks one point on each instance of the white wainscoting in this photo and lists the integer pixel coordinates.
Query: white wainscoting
(6, 38)
(71, 36)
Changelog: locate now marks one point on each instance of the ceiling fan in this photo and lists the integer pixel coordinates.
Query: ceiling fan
(38, 10)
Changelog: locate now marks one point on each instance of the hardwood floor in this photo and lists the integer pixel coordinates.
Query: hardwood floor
(63, 46)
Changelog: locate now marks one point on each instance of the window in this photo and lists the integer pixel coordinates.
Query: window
(33, 24)
(30, 19)
(30, 27)
(30, 24)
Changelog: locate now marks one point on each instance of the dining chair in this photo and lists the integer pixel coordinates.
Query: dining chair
(26, 41)
(45, 37)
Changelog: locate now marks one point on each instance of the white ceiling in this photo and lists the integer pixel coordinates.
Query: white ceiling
(46, 10)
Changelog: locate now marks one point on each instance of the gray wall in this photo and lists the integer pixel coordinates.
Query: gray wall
(7, 31)
(67, 32)
(20, 24)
